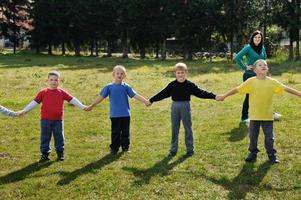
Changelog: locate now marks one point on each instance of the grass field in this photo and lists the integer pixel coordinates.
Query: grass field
(216, 171)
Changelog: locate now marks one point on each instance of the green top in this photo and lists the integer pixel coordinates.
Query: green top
(251, 56)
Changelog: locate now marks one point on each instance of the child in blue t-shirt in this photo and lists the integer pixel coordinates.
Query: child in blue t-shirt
(118, 92)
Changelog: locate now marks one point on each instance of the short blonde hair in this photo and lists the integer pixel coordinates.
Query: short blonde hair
(119, 67)
(54, 73)
(180, 66)
(260, 60)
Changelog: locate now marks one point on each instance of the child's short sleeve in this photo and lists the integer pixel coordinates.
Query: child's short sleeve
(130, 91)
(105, 91)
(39, 97)
(278, 88)
(66, 95)
(244, 88)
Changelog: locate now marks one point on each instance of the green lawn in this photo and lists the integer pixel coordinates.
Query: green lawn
(216, 171)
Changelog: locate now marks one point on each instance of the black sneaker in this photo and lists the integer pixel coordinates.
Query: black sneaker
(273, 159)
(44, 158)
(126, 151)
(251, 157)
(172, 154)
(189, 153)
(113, 152)
(60, 156)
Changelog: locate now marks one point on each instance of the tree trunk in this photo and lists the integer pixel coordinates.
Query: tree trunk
(92, 48)
(77, 49)
(124, 42)
(63, 49)
(163, 50)
(49, 49)
(109, 49)
(15, 46)
(96, 48)
(142, 51)
(157, 49)
(291, 49)
(298, 30)
(38, 49)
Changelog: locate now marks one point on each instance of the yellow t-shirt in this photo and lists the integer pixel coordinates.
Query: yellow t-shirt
(261, 93)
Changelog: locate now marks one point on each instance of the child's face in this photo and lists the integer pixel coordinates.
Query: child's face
(261, 68)
(53, 81)
(181, 75)
(119, 75)
(257, 39)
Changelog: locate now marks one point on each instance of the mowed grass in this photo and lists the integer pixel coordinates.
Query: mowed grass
(216, 171)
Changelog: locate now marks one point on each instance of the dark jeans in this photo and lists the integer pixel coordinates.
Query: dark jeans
(120, 133)
(267, 128)
(245, 107)
(49, 127)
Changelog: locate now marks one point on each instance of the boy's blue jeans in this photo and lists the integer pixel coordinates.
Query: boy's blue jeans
(180, 111)
(49, 127)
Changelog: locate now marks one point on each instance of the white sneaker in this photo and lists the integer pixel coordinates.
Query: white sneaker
(277, 116)
(246, 121)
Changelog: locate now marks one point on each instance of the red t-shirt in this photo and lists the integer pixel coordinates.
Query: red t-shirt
(52, 103)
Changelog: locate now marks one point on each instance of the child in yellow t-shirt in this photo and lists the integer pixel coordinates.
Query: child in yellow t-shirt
(261, 90)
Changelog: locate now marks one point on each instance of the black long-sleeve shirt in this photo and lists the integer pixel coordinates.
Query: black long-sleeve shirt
(181, 92)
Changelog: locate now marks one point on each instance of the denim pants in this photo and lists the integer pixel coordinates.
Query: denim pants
(245, 107)
(180, 110)
(120, 133)
(49, 127)
(267, 128)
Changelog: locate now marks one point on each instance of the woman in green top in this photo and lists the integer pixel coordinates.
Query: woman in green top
(253, 51)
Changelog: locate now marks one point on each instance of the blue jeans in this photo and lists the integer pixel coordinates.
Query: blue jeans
(49, 127)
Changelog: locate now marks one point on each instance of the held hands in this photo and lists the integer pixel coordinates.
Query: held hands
(20, 113)
(147, 103)
(250, 67)
(220, 97)
(88, 108)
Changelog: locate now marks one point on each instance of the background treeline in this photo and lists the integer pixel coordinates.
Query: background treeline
(142, 26)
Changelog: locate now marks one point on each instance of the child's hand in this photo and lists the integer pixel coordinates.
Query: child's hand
(147, 103)
(219, 97)
(88, 108)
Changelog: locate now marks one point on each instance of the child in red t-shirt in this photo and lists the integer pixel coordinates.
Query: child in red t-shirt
(52, 114)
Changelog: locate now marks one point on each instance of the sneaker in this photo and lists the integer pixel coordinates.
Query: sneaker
(245, 121)
(172, 154)
(60, 156)
(113, 152)
(44, 158)
(273, 159)
(126, 151)
(277, 116)
(190, 153)
(251, 157)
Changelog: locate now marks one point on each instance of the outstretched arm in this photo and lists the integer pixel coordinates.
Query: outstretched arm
(97, 101)
(142, 99)
(7, 112)
(77, 103)
(292, 91)
(28, 108)
(229, 93)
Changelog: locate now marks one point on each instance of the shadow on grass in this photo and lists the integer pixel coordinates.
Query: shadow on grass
(160, 168)
(23, 173)
(245, 181)
(238, 133)
(69, 177)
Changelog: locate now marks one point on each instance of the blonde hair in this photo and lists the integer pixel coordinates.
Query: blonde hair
(180, 66)
(260, 60)
(54, 73)
(119, 67)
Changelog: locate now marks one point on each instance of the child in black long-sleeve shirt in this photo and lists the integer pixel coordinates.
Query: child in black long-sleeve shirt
(180, 90)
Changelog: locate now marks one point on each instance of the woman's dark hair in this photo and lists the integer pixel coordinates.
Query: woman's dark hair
(257, 48)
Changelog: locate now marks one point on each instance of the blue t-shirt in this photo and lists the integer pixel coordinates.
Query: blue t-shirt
(118, 94)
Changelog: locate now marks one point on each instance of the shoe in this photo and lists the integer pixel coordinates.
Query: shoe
(60, 156)
(251, 157)
(113, 152)
(172, 154)
(245, 121)
(190, 153)
(273, 159)
(277, 116)
(126, 151)
(44, 158)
